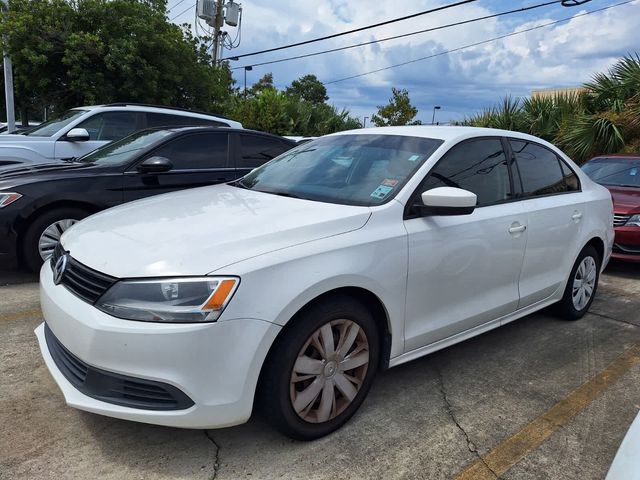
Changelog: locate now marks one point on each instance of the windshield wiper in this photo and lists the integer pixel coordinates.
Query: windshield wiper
(281, 193)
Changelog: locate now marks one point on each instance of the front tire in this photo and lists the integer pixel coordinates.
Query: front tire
(321, 369)
(582, 285)
(42, 235)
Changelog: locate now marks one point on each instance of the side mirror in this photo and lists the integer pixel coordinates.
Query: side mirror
(155, 165)
(77, 135)
(448, 201)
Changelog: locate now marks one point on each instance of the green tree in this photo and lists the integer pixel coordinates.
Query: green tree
(309, 89)
(398, 111)
(265, 83)
(99, 51)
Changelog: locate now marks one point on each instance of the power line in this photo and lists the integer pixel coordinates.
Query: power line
(181, 1)
(446, 52)
(362, 44)
(184, 11)
(355, 30)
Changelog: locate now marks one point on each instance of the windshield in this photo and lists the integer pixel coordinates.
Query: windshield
(348, 169)
(123, 150)
(51, 127)
(621, 172)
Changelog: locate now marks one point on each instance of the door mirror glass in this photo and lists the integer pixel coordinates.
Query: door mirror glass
(77, 135)
(448, 201)
(155, 165)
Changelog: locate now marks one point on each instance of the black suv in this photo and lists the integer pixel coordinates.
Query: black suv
(38, 203)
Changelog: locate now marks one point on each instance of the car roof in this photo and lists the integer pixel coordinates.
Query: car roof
(630, 156)
(150, 107)
(201, 128)
(441, 132)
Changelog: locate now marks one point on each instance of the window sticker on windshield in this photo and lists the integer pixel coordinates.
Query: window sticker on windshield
(389, 182)
(633, 172)
(413, 158)
(381, 192)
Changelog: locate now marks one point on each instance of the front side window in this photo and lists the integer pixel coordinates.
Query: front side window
(196, 151)
(479, 166)
(540, 171)
(256, 150)
(362, 170)
(617, 172)
(109, 126)
(52, 127)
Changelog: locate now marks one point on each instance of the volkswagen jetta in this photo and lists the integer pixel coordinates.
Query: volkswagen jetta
(289, 289)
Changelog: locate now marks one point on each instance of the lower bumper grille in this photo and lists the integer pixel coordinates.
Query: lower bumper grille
(112, 387)
(628, 249)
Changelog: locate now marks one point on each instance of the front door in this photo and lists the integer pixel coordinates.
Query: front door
(198, 159)
(463, 270)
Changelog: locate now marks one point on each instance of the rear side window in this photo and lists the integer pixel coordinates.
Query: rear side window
(540, 171)
(570, 179)
(167, 120)
(196, 151)
(256, 150)
(479, 166)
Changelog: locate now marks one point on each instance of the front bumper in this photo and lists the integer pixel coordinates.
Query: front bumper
(215, 364)
(627, 244)
(8, 235)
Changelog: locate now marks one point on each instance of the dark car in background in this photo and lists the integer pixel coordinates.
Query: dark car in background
(621, 175)
(38, 203)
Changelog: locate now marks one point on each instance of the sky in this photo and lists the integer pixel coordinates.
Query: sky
(463, 82)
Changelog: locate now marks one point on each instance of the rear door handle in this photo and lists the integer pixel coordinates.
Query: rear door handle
(576, 216)
(517, 229)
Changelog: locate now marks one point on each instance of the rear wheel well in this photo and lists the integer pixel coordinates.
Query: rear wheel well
(598, 244)
(368, 299)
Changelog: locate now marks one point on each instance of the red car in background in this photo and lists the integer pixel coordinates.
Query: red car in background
(621, 175)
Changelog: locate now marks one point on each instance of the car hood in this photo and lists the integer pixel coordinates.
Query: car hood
(14, 177)
(194, 232)
(17, 139)
(626, 201)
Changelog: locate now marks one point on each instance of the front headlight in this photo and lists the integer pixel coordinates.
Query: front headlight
(7, 198)
(634, 221)
(179, 300)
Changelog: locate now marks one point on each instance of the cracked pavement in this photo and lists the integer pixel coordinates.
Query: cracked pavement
(430, 418)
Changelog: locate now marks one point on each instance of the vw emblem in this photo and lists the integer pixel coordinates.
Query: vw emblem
(59, 268)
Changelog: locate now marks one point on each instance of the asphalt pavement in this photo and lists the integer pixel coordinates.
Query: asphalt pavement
(540, 398)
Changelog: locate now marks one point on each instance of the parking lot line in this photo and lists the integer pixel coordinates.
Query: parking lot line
(7, 317)
(515, 448)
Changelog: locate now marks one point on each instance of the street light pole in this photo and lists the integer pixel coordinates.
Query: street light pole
(248, 68)
(433, 118)
(8, 85)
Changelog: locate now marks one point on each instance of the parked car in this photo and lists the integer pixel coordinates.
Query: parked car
(81, 130)
(38, 203)
(289, 288)
(4, 128)
(621, 175)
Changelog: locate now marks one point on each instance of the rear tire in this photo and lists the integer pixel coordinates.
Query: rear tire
(36, 244)
(582, 285)
(321, 369)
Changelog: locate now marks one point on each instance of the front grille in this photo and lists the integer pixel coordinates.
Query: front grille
(82, 281)
(112, 387)
(620, 220)
(628, 249)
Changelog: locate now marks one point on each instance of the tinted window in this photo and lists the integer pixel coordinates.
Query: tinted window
(198, 150)
(623, 172)
(124, 150)
(167, 120)
(478, 166)
(570, 179)
(110, 125)
(256, 150)
(540, 170)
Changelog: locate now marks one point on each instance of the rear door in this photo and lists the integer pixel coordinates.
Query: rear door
(198, 159)
(553, 203)
(254, 150)
(463, 270)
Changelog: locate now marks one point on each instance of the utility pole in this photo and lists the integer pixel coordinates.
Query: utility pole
(8, 85)
(217, 34)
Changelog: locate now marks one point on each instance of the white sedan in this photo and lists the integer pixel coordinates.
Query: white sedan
(289, 289)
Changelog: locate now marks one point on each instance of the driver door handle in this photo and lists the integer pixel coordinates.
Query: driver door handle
(517, 229)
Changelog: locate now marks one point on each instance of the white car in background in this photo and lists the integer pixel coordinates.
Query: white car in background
(288, 289)
(81, 130)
